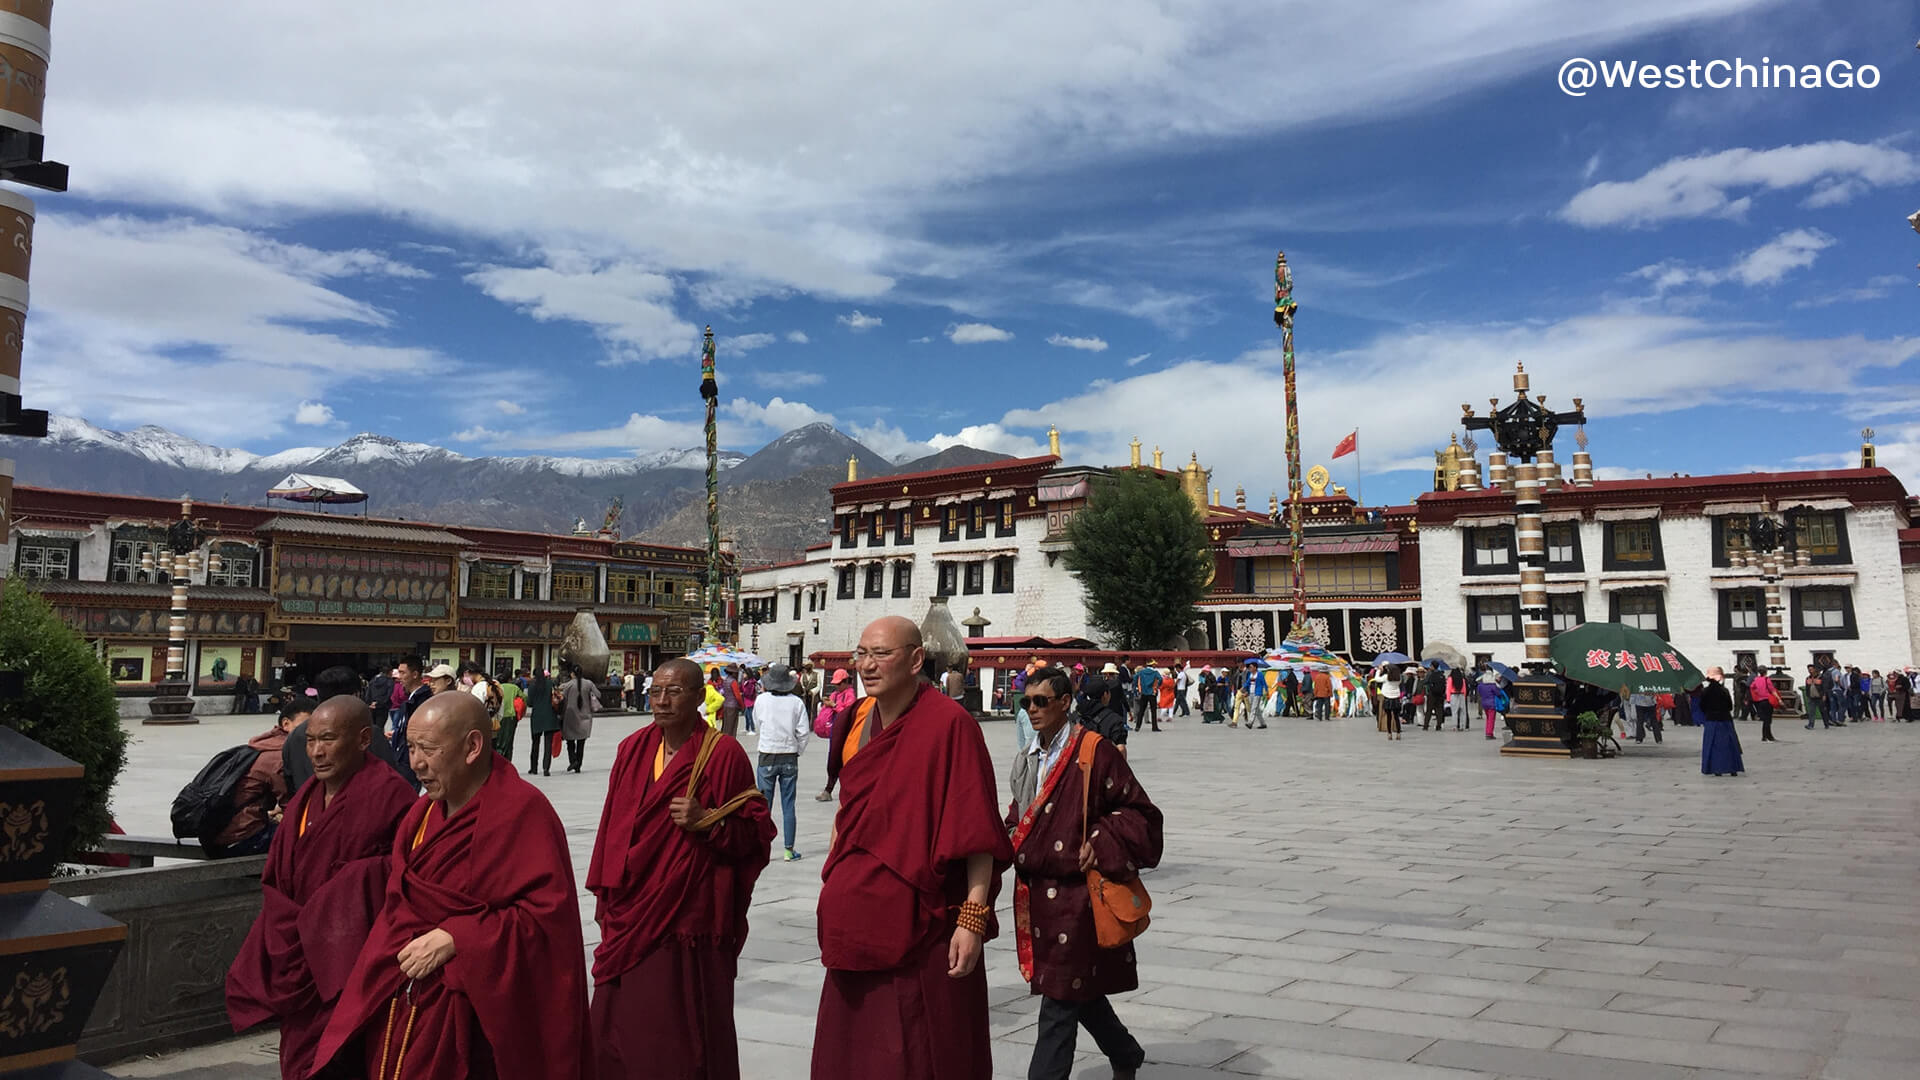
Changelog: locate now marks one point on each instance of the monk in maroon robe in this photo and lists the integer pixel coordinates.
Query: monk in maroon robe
(908, 888)
(325, 877)
(1078, 819)
(474, 966)
(673, 879)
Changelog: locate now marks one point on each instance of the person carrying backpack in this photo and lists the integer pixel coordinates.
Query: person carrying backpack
(256, 796)
(841, 699)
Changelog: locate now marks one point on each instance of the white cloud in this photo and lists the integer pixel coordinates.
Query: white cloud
(990, 437)
(888, 441)
(480, 433)
(1135, 361)
(1088, 344)
(921, 341)
(640, 434)
(1785, 253)
(314, 413)
(974, 333)
(1877, 287)
(1703, 186)
(787, 175)
(797, 337)
(511, 408)
(857, 322)
(775, 417)
(628, 306)
(131, 317)
(1767, 264)
(787, 378)
(1622, 364)
(746, 342)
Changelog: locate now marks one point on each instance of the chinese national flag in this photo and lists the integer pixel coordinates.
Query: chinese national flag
(1349, 444)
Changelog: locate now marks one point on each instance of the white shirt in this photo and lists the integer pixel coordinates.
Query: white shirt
(782, 720)
(1050, 755)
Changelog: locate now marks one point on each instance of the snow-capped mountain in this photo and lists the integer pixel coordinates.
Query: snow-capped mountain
(423, 482)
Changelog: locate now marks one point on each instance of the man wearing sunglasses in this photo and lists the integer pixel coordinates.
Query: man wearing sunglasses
(1091, 814)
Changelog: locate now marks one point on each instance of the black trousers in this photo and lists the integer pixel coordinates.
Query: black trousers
(542, 749)
(1765, 709)
(1180, 703)
(1644, 717)
(1060, 1023)
(576, 753)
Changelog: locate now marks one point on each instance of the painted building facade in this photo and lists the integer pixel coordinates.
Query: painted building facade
(299, 592)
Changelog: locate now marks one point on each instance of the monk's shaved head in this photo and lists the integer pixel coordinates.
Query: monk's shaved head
(892, 630)
(680, 667)
(338, 735)
(349, 713)
(449, 741)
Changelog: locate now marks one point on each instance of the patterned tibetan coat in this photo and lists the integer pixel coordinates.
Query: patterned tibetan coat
(1052, 910)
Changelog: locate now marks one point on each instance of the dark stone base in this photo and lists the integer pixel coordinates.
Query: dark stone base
(65, 1070)
(171, 704)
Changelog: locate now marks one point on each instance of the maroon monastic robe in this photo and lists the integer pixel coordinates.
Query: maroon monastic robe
(326, 875)
(672, 909)
(1052, 914)
(513, 1002)
(915, 802)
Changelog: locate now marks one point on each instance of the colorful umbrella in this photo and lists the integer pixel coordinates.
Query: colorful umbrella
(1623, 658)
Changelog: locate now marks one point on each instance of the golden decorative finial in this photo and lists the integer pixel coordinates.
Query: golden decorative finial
(1133, 458)
(1053, 440)
(1156, 457)
(1866, 434)
(853, 468)
(1466, 410)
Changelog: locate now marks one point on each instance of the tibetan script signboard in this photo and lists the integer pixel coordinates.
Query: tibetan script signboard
(635, 633)
(530, 629)
(150, 622)
(318, 585)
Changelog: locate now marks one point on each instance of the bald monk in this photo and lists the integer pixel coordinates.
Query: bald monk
(326, 875)
(473, 967)
(684, 835)
(910, 880)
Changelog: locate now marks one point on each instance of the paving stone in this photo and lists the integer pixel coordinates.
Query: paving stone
(1674, 1052)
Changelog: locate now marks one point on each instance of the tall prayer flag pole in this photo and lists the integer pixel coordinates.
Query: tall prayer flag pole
(710, 390)
(1283, 309)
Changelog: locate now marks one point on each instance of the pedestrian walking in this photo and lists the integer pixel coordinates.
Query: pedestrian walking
(1877, 695)
(1391, 690)
(784, 727)
(543, 721)
(749, 696)
(1490, 697)
(1086, 815)
(1719, 743)
(513, 705)
(1645, 715)
(1182, 685)
(1322, 693)
(580, 699)
(1457, 697)
(1146, 688)
(837, 710)
(1765, 699)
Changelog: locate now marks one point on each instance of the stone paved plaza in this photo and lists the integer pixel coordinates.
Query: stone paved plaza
(1335, 906)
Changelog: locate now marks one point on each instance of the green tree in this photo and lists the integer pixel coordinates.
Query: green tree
(1140, 552)
(68, 706)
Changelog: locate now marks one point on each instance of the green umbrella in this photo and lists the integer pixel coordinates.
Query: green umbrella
(1624, 658)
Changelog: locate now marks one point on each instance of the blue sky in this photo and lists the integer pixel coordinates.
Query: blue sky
(938, 223)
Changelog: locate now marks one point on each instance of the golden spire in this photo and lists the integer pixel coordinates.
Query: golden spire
(1156, 457)
(853, 468)
(1134, 457)
(1053, 441)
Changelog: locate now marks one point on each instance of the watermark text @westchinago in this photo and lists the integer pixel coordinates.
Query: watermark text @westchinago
(1580, 75)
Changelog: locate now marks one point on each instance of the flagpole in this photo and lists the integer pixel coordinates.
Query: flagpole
(1359, 474)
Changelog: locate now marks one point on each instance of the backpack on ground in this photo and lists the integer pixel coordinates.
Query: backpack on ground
(205, 805)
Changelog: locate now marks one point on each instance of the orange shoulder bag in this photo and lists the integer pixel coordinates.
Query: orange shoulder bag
(1120, 909)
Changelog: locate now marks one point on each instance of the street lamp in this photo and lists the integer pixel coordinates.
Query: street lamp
(1524, 429)
(172, 702)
